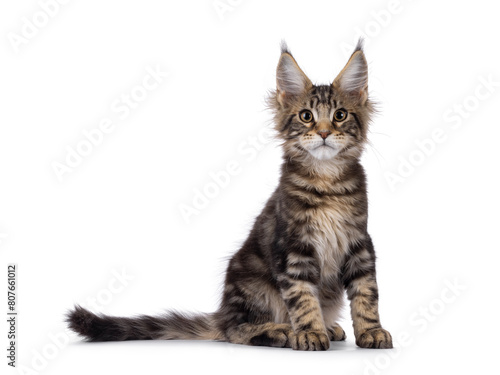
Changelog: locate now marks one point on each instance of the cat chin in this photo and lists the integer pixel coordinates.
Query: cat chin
(324, 152)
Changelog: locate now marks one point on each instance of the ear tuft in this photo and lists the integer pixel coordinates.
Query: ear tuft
(360, 45)
(284, 47)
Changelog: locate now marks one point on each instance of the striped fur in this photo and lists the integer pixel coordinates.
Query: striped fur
(285, 286)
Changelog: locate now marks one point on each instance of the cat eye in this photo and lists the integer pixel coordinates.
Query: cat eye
(306, 116)
(340, 115)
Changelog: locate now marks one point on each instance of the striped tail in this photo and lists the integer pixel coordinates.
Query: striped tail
(171, 326)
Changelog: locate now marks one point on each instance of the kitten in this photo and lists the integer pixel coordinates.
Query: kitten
(285, 286)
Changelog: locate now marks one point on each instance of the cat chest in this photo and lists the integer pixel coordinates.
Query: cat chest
(329, 234)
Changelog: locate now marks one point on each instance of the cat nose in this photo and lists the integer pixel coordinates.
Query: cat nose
(324, 133)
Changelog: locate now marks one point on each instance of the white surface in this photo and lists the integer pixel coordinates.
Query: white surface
(119, 209)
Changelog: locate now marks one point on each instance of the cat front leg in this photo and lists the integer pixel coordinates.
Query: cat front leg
(305, 315)
(360, 282)
(298, 286)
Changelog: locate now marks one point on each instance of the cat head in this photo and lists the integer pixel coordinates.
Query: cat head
(322, 123)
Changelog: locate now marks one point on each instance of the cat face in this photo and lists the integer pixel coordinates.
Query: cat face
(322, 122)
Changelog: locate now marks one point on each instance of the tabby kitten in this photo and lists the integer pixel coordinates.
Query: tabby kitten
(285, 286)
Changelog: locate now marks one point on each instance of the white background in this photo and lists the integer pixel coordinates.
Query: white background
(119, 209)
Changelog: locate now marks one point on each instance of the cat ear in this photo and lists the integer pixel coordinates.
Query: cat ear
(353, 79)
(290, 79)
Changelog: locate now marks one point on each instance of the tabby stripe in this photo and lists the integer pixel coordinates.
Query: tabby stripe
(348, 279)
(288, 122)
(304, 327)
(304, 313)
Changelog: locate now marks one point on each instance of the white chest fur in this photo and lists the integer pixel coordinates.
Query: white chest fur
(330, 234)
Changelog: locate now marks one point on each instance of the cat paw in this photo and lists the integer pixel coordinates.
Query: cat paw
(336, 333)
(310, 340)
(276, 337)
(375, 338)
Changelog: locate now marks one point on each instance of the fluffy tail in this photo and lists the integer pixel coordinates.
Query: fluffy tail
(171, 326)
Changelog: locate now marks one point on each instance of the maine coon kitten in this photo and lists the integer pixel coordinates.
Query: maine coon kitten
(285, 286)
